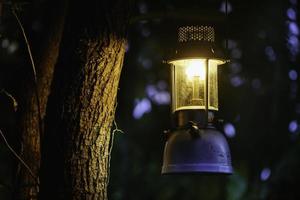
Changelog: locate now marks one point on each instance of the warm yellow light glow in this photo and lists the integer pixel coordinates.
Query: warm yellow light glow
(195, 69)
(189, 84)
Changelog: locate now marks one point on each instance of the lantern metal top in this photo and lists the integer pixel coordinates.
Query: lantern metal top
(196, 41)
(196, 33)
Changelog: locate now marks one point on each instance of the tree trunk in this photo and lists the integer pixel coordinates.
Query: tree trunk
(30, 124)
(90, 100)
(90, 115)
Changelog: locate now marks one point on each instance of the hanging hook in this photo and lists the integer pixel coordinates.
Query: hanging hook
(194, 129)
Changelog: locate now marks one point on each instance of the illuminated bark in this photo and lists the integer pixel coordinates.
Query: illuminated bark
(89, 115)
(90, 65)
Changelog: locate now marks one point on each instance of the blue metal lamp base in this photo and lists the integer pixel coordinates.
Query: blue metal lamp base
(205, 152)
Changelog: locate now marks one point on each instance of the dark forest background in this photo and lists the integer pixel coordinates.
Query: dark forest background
(258, 93)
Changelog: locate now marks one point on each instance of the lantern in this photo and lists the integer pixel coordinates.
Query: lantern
(195, 145)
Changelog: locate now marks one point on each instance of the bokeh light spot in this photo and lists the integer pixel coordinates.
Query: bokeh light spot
(293, 75)
(236, 81)
(162, 98)
(293, 40)
(293, 126)
(265, 174)
(157, 94)
(294, 29)
(141, 107)
(269, 51)
(291, 13)
(229, 130)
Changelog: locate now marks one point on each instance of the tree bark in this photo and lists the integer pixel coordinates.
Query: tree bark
(90, 115)
(90, 99)
(30, 124)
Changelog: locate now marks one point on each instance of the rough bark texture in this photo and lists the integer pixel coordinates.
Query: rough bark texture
(30, 127)
(92, 59)
(90, 114)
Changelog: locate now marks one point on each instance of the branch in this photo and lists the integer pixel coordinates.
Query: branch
(27, 44)
(33, 69)
(111, 145)
(18, 157)
(10, 96)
